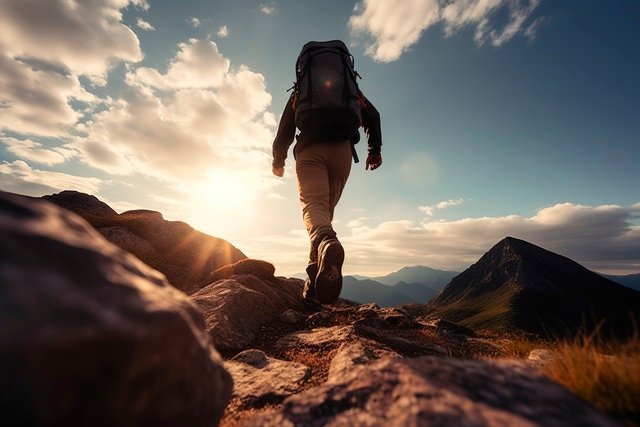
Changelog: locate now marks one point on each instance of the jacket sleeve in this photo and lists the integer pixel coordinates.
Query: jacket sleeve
(371, 125)
(284, 136)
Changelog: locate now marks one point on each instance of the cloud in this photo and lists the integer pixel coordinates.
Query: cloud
(395, 27)
(602, 238)
(199, 124)
(267, 8)
(145, 25)
(195, 22)
(85, 37)
(19, 177)
(198, 64)
(223, 32)
(429, 210)
(36, 151)
(36, 101)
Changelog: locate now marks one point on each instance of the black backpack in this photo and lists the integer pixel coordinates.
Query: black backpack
(326, 100)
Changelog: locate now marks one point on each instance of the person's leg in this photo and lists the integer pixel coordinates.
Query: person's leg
(313, 187)
(330, 251)
(322, 171)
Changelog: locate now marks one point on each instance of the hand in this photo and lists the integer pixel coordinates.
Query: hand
(374, 161)
(278, 171)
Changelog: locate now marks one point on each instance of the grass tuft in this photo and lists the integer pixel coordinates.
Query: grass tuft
(605, 374)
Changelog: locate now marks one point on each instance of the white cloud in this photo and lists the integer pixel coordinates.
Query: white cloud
(19, 177)
(195, 22)
(429, 209)
(268, 8)
(198, 64)
(85, 37)
(36, 102)
(142, 24)
(36, 151)
(602, 238)
(201, 124)
(223, 32)
(396, 26)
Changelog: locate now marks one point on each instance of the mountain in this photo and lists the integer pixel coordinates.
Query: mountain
(417, 291)
(417, 282)
(366, 291)
(517, 285)
(185, 256)
(631, 280)
(432, 278)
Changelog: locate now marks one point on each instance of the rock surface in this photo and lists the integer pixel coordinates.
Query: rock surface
(235, 308)
(185, 256)
(257, 377)
(433, 391)
(90, 336)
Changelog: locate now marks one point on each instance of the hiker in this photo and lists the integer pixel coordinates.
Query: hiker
(328, 108)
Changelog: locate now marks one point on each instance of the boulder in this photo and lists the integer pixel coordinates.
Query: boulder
(435, 391)
(91, 336)
(185, 256)
(236, 308)
(259, 378)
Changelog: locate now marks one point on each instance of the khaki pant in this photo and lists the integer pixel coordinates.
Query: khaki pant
(322, 170)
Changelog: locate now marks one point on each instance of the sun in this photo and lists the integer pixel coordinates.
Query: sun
(228, 190)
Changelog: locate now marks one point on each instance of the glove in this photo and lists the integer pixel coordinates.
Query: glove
(373, 161)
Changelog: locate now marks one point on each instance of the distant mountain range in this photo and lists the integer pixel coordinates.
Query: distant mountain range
(630, 280)
(517, 285)
(413, 284)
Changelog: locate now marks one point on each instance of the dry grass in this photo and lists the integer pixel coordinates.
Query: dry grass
(604, 374)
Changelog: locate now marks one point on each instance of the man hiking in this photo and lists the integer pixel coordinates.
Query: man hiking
(328, 108)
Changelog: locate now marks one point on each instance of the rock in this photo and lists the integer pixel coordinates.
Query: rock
(235, 308)
(443, 326)
(260, 269)
(541, 354)
(316, 337)
(434, 391)
(541, 357)
(257, 377)
(185, 256)
(89, 335)
(292, 316)
(356, 353)
(403, 345)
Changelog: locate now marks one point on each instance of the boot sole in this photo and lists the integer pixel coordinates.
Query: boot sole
(329, 278)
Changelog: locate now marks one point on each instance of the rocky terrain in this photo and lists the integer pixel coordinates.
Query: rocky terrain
(90, 335)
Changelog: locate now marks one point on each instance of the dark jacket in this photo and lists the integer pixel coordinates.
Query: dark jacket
(287, 129)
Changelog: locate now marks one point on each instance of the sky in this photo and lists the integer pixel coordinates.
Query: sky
(499, 117)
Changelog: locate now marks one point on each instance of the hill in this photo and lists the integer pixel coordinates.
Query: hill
(517, 285)
(367, 291)
(430, 277)
(186, 256)
(630, 280)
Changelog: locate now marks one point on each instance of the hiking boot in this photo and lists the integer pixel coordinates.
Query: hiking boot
(312, 304)
(329, 279)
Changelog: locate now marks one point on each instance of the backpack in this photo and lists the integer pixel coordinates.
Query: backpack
(326, 98)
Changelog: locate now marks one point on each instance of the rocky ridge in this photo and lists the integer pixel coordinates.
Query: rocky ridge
(349, 364)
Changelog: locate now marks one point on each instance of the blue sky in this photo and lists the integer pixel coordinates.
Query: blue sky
(502, 117)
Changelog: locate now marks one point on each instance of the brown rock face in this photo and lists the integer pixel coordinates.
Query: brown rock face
(91, 336)
(237, 305)
(186, 256)
(434, 391)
